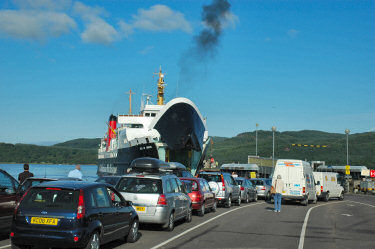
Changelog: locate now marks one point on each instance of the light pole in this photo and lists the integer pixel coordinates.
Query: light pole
(256, 139)
(273, 145)
(347, 131)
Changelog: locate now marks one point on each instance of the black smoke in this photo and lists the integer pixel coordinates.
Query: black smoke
(193, 62)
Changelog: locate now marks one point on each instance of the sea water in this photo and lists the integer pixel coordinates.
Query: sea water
(51, 170)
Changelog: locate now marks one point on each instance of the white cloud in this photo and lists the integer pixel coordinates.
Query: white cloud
(34, 25)
(160, 18)
(146, 50)
(43, 4)
(292, 33)
(125, 28)
(97, 30)
(230, 20)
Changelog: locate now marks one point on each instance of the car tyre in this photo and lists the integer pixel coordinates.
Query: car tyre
(326, 198)
(202, 210)
(238, 202)
(305, 202)
(341, 196)
(256, 197)
(170, 224)
(268, 197)
(133, 233)
(228, 203)
(189, 216)
(247, 198)
(94, 241)
(214, 206)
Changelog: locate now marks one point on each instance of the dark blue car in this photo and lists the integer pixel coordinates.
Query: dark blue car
(72, 214)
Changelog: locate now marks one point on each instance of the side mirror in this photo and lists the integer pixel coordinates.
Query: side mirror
(128, 203)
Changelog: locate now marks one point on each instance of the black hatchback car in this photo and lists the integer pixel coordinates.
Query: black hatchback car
(72, 214)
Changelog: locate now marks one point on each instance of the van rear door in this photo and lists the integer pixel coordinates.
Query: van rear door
(295, 181)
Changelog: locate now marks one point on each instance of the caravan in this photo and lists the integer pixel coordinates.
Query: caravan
(298, 178)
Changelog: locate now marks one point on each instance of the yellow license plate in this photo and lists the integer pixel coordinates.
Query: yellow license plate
(44, 221)
(140, 209)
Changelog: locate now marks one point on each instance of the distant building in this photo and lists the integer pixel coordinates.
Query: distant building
(265, 165)
(355, 171)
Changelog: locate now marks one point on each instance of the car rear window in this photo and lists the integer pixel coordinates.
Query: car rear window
(210, 178)
(268, 182)
(239, 182)
(141, 185)
(192, 184)
(258, 182)
(110, 180)
(48, 199)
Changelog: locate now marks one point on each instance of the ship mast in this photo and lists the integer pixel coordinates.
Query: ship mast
(130, 100)
(160, 100)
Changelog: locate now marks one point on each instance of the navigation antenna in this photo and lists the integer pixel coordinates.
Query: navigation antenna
(161, 86)
(130, 100)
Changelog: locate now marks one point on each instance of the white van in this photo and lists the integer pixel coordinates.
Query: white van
(298, 178)
(327, 186)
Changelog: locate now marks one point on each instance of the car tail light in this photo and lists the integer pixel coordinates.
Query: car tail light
(162, 200)
(18, 204)
(53, 188)
(198, 197)
(223, 182)
(12, 234)
(242, 188)
(303, 190)
(140, 176)
(263, 188)
(321, 188)
(81, 206)
(75, 238)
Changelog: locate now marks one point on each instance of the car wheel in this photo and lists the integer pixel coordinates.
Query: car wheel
(189, 216)
(213, 209)
(228, 204)
(326, 197)
(305, 202)
(341, 196)
(133, 233)
(247, 198)
(268, 197)
(238, 202)
(94, 242)
(170, 224)
(256, 197)
(202, 210)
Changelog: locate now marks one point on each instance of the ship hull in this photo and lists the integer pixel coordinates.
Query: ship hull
(119, 164)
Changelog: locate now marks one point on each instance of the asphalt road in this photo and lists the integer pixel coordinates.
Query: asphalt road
(333, 224)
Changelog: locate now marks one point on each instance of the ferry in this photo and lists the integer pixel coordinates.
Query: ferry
(173, 132)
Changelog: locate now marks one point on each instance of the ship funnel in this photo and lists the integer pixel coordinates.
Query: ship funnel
(111, 129)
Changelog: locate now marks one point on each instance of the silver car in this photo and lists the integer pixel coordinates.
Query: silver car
(248, 190)
(157, 198)
(263, 187)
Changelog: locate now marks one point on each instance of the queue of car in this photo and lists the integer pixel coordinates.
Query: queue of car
(75, 214)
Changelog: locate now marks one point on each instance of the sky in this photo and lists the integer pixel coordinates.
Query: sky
(66, 65)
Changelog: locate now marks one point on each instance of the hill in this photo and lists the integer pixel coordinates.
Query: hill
(224, 150)
(236, 149)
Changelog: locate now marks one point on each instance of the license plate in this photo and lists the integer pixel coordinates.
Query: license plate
(140, 209)
(44, 221)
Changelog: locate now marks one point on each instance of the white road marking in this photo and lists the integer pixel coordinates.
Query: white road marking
(1, 247)
(197, 226)
(349, 215)
(303, 231)
(363, 204)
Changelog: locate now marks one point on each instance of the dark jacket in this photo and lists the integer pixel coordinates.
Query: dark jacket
(24, 175)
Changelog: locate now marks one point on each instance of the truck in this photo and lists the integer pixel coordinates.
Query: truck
(327, 187)
(298, 178)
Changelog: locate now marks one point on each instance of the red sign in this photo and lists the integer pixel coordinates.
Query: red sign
(372, 173)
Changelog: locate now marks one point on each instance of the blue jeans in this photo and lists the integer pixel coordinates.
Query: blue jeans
(277, 198)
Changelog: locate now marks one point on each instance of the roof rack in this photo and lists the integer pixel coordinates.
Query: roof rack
(148, 165)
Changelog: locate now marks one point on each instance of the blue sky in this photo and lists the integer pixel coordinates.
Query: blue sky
(65, 65)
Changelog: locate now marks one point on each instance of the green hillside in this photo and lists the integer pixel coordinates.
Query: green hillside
(236, 149)
(81, 143)
(224, 150)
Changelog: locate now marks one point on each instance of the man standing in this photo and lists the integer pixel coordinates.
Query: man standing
(279, 188)
(76, 173)
(25, 174)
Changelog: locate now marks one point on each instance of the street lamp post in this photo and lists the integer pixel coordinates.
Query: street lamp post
(273, 145)
(347, 131)
(256, 139)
